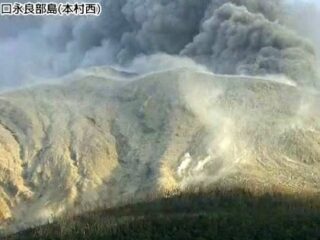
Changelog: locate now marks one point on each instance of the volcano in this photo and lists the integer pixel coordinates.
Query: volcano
(110, 137)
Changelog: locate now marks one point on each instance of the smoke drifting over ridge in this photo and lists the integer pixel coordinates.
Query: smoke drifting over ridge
(95, 138)
(227, 36)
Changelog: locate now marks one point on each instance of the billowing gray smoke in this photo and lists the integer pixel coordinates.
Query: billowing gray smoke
(227, 36)
(234, 41)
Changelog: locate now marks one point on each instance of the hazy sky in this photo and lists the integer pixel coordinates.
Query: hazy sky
(33, 49)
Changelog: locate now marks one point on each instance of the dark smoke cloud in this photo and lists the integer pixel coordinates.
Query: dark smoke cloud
(148, 26)
(227, 36)
(234, 40)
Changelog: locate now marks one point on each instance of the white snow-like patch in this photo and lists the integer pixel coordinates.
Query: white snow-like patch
(186, 161)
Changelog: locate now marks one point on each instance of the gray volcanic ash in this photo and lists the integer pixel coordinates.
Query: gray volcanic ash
(253, 37)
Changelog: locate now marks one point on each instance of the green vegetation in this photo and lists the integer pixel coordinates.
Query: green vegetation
(236, 215)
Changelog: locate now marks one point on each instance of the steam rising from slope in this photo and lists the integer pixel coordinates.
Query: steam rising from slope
(227, 36)
(93, 139)
(100, 139)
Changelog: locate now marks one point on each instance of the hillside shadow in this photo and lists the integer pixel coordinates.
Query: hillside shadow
(233, 214)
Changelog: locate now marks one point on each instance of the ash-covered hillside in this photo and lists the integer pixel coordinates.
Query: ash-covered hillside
(108, 137)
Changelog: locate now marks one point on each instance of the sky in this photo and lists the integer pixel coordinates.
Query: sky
(44, 47)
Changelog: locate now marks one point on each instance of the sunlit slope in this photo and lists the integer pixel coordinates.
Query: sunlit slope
(112, 139)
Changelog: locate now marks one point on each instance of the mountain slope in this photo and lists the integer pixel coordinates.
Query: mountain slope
(113, 138)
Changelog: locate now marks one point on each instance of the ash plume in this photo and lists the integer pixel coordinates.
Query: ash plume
(107, 136)
(227, 36)
(235, 41)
